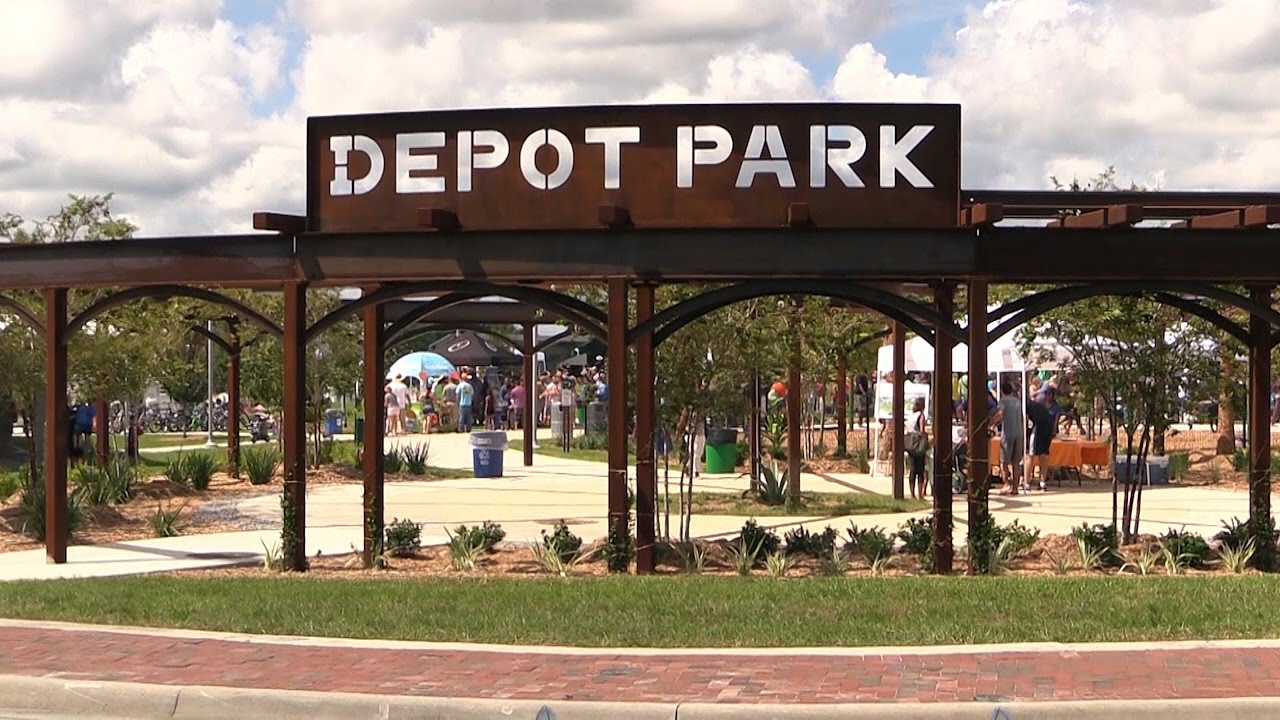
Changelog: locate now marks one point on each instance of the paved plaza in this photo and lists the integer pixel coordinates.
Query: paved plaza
(527, 501)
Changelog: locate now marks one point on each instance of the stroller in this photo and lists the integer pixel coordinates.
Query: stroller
(960, 473)
(260, 424)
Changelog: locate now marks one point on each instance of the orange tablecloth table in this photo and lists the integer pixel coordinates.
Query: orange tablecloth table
(1066, 453)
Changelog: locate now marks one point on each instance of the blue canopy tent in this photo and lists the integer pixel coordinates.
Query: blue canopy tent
(416, 363)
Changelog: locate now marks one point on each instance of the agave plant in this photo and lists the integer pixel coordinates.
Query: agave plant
(1144, 563)
(772, 488)
(779, 564)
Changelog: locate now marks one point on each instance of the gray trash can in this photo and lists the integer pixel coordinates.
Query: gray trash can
(487, 447)
(597, 417)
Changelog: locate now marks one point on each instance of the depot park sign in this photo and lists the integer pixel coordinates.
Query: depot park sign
(677, 166)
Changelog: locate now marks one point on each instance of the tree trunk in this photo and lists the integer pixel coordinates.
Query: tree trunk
(1226, 410)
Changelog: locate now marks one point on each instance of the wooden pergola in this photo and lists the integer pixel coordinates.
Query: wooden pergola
(851, 250)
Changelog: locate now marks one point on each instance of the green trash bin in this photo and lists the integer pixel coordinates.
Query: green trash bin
(722, 450)
(582, 416)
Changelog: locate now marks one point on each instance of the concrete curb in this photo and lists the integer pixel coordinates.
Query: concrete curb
(847, 652)
(60, 696)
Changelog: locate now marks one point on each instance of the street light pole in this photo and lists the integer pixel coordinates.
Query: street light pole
(209, 406)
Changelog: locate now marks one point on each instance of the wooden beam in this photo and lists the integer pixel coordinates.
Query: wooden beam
(1217, 221)
(56, 440)
(1256, 216)
(613, 216)
(439, 219)
(280, 222)
(799, 215)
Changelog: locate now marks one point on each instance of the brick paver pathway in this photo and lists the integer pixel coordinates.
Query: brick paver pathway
(1123, 675)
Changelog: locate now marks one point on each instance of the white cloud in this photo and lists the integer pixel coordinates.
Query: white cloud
(159, 101)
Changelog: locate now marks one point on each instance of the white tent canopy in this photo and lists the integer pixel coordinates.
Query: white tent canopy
(1003, 355)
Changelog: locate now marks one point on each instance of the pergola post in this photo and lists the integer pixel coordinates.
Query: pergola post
(294, 534)
(646, 467)
(1260, 344)
(233, 397)
(529, 421)
(753, 430)
(617, 383)
(55, 425)
(943, 407)
(793, 413)
(103, 434)
(373, 460)
(842, 405)
(899, 409)
(979, 444)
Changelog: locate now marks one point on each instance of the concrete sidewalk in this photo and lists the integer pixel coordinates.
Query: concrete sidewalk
(67, 669)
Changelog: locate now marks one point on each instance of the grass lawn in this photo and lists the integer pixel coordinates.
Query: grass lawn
(825, 504)
(688, 611)
(551, 448)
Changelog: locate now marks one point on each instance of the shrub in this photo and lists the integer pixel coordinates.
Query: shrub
(112, 484)
(164, 521)
(742, 452)
(562, 542)
(761, 541)
(320, 455)
(861, 460)
(1236, 533)
(8, 485)
(873, 542)
(619, 548)
(346, 453)
(1019, 538)
(1240, 460)
(486, 535)
(917, 538)
(816, 545)
(260, 464)
(1101, 539)
(590, 441)
(415, 458)
(391, 463)
(772, 487)
(176, 471)
(465, 550)
(1188, 545)
(402, 538)
(1179, 464)
(200, 468)
(31, 501)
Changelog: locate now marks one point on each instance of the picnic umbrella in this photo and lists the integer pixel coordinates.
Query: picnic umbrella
(416, 363)
(468, 348)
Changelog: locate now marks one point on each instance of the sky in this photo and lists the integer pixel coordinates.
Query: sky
(193, 112)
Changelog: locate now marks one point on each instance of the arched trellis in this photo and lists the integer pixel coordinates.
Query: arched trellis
(575, 311)
(1023, 310)
(165, 292)
(23, 312)
(920, 319)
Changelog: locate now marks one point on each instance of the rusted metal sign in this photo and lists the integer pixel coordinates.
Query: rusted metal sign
(679, 166)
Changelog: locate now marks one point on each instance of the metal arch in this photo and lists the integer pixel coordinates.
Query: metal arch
(915, 316)
(882, 334)
(420, 330)
(404, 325)
(213, 337)
(571, 309)
(164, 292)
(22, 311)
(1025, 309)
(1220, 321)
(539, 347)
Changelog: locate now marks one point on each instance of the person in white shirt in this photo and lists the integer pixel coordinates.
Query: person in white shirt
(401, 391)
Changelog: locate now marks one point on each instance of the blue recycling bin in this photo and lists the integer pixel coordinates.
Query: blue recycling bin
(487, 447)
(332, 422)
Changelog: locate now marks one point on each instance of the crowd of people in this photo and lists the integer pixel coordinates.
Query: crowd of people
(470, 398)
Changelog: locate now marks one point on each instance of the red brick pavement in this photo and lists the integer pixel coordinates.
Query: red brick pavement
(1067, 675)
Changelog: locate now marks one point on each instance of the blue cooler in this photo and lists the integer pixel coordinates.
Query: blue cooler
(487, 447)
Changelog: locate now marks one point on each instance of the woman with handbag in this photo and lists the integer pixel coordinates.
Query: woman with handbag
(916, 443)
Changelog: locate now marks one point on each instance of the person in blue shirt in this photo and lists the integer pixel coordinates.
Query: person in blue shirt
(466, 415)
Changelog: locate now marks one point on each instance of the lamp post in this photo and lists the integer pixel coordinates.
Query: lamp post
(209, 405)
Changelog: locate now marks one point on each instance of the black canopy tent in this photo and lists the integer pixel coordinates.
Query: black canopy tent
(468, 348)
